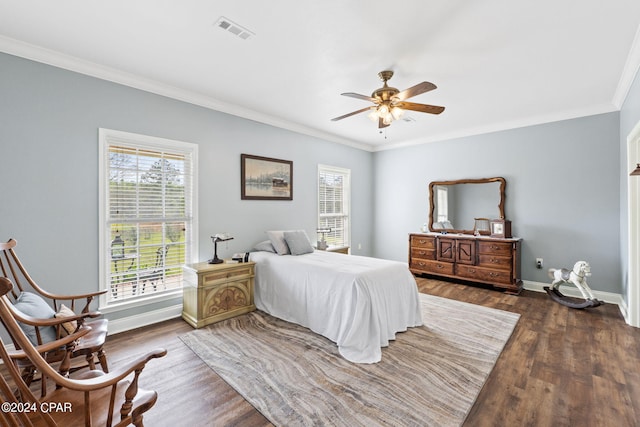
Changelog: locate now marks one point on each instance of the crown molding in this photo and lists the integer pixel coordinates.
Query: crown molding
(503, 126)
(71, 63)
(629, 72)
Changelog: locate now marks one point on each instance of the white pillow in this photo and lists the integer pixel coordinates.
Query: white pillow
(265, 246)
(279, 244)
(298, 242)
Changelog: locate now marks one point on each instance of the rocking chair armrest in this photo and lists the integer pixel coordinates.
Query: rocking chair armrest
(72, 297)
(82, 316)
(94, 382)
(44, 348)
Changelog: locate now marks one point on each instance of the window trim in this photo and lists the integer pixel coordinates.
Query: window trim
(105, 138)
(346, 196)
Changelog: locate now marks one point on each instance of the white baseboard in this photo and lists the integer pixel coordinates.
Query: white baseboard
(143, 319)
(572, 291)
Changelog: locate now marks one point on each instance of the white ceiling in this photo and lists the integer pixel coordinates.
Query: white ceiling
(498, 64)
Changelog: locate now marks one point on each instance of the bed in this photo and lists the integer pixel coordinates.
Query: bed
(360, 303)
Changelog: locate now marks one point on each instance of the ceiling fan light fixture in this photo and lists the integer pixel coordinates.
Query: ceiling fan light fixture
(390, 103)
(397, 112)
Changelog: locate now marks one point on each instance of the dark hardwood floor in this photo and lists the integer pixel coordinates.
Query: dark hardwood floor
(561, 367)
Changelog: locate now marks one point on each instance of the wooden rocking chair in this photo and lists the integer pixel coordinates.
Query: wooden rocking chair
(93, 398)
(29, 307)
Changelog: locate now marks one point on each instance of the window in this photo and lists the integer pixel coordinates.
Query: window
(442, 196)
(147, 215)
(334, 194)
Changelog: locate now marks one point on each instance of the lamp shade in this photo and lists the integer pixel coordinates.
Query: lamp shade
(636, 171)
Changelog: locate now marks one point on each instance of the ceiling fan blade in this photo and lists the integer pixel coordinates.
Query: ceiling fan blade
(353, 113)
(423, 108)
(416, 90)
(381, 123)
(358, 96)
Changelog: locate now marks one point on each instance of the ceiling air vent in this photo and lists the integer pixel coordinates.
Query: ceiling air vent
(232, 27)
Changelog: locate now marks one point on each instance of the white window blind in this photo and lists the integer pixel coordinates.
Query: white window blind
(334, 195)
(148, 208)
(442, 195)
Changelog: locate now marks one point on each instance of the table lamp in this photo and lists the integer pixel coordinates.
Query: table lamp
(218, 238)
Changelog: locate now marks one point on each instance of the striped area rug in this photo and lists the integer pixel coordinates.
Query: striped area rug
(428, 376)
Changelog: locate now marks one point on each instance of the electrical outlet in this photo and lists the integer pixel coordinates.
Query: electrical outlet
(359, 246)
(538, 262)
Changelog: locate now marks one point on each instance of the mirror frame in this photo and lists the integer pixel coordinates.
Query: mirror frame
(503, 185)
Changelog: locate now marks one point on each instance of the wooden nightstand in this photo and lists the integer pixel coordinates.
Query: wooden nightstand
(215, 292)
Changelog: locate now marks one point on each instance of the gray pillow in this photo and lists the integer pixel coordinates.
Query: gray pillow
(298, 242)
(33, 305)
(265, 246)
(279, 244)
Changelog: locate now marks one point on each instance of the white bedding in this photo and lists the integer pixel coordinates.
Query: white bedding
(357, 302)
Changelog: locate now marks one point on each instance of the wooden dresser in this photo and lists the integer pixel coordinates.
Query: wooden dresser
(481, 259)
(215, 292)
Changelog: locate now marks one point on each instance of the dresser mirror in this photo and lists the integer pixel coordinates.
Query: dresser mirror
(455, 205)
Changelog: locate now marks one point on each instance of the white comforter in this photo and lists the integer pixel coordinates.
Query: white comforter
(357, 302)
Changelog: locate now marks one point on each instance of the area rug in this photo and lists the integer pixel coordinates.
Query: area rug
(429, 376)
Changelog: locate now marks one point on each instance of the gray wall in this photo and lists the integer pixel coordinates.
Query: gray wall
(561, 195)
(49, 120)
(629, 117)
(563, 178)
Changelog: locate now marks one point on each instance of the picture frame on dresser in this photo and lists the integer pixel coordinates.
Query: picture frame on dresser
(500, 228)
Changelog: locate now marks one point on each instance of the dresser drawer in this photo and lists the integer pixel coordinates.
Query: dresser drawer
(435, 267)
(213, 277)
(495, 248)
(483, 274)
(494, 261)
(420, 253)
(423, 242)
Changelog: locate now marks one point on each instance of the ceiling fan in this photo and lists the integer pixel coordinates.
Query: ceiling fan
(390, 102)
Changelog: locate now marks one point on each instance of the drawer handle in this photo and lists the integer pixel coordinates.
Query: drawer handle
(495, 248)
(471, 270)
(439, 265)
(494, 261)
(493, 274)
(422, 241)
(421, 252)
(421, 264)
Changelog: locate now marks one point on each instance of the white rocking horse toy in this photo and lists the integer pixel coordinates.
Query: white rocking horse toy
(578, 277)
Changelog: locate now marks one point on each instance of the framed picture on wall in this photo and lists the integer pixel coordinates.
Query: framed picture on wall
(264, 178)
(500, 228)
